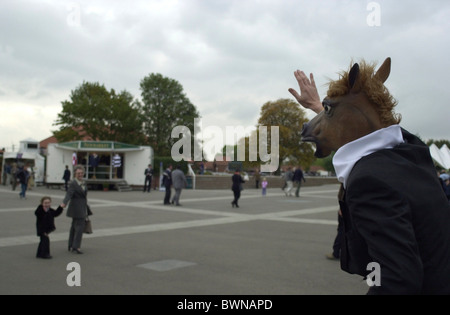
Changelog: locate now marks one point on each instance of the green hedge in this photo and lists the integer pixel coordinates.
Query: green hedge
(167, 160)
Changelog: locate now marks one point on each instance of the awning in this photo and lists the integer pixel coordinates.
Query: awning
(98, 146)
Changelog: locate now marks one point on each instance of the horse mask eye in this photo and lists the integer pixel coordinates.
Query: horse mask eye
(327, 107)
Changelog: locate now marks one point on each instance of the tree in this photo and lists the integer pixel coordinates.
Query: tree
(326, 163)
(165, 106)
(95, 113)
(289, 117)
(245, 143)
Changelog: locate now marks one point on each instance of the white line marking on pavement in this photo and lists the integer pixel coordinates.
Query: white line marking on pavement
(225, 217)
(277, 216)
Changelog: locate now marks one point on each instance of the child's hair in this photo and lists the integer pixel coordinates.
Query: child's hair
(45, 198)
(264, 178)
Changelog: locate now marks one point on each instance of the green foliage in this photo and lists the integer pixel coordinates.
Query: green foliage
(167, 160)
(289, 117)
(438, 143)
(326, 163)
(95, 113)
(165, 106)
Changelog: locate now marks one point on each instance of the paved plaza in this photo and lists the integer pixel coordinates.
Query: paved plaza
(272, 245)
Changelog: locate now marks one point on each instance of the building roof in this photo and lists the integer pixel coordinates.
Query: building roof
(44, 143)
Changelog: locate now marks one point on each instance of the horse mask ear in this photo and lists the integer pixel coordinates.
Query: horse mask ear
(384, 71)
(354, 81)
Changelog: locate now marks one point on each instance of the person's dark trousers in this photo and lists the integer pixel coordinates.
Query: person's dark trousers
(23, 190)
(338, 240)
(176, 198)
(297, 192)
(44, 247)
(76, 233)
(257, 184)
(65, 184)
(167, 196)
(237, 195)
(149, 186)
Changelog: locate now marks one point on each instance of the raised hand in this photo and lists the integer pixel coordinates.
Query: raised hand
(309, 97)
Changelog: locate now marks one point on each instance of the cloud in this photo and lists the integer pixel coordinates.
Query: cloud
(230, 56)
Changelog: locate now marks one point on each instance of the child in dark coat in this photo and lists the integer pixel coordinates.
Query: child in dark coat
(45, 224)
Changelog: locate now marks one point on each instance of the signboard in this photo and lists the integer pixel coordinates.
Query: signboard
(98, 145)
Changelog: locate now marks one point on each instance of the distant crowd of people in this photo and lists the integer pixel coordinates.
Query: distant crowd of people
(23, 175)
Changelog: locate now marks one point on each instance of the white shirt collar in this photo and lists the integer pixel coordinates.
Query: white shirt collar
(81, 183)
(350, 153)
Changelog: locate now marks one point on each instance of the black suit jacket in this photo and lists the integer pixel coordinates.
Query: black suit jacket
(66, 175)
(167, 178)
(396, 214)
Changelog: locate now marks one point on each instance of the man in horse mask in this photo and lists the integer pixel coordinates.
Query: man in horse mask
(394, 211)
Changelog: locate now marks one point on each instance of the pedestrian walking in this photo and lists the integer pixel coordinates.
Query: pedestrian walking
(179, 182)
(298, 177)
(14, 172)
(8, 174)
(23, 175)
(257, 178)
(236, 187)
(288, 177)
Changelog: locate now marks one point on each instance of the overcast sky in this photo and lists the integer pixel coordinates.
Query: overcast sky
(230, 56)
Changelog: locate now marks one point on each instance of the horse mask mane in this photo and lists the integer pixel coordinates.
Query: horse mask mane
(357, 104)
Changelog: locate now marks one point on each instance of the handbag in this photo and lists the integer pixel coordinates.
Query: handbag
(87, 226)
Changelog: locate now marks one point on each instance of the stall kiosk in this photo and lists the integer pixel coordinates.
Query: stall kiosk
(107, 163)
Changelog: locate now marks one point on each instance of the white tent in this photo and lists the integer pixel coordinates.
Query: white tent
(441, 156)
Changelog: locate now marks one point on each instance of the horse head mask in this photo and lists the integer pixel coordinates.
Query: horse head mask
(357, 104)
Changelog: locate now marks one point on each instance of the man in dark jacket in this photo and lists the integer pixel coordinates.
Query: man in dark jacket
(23, 176)
(298, 178)
(167, 183)
(148, 173)
(396, 216)
(45, 224)
(66, 176)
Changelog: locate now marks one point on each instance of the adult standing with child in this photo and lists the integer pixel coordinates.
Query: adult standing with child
(78, 208)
